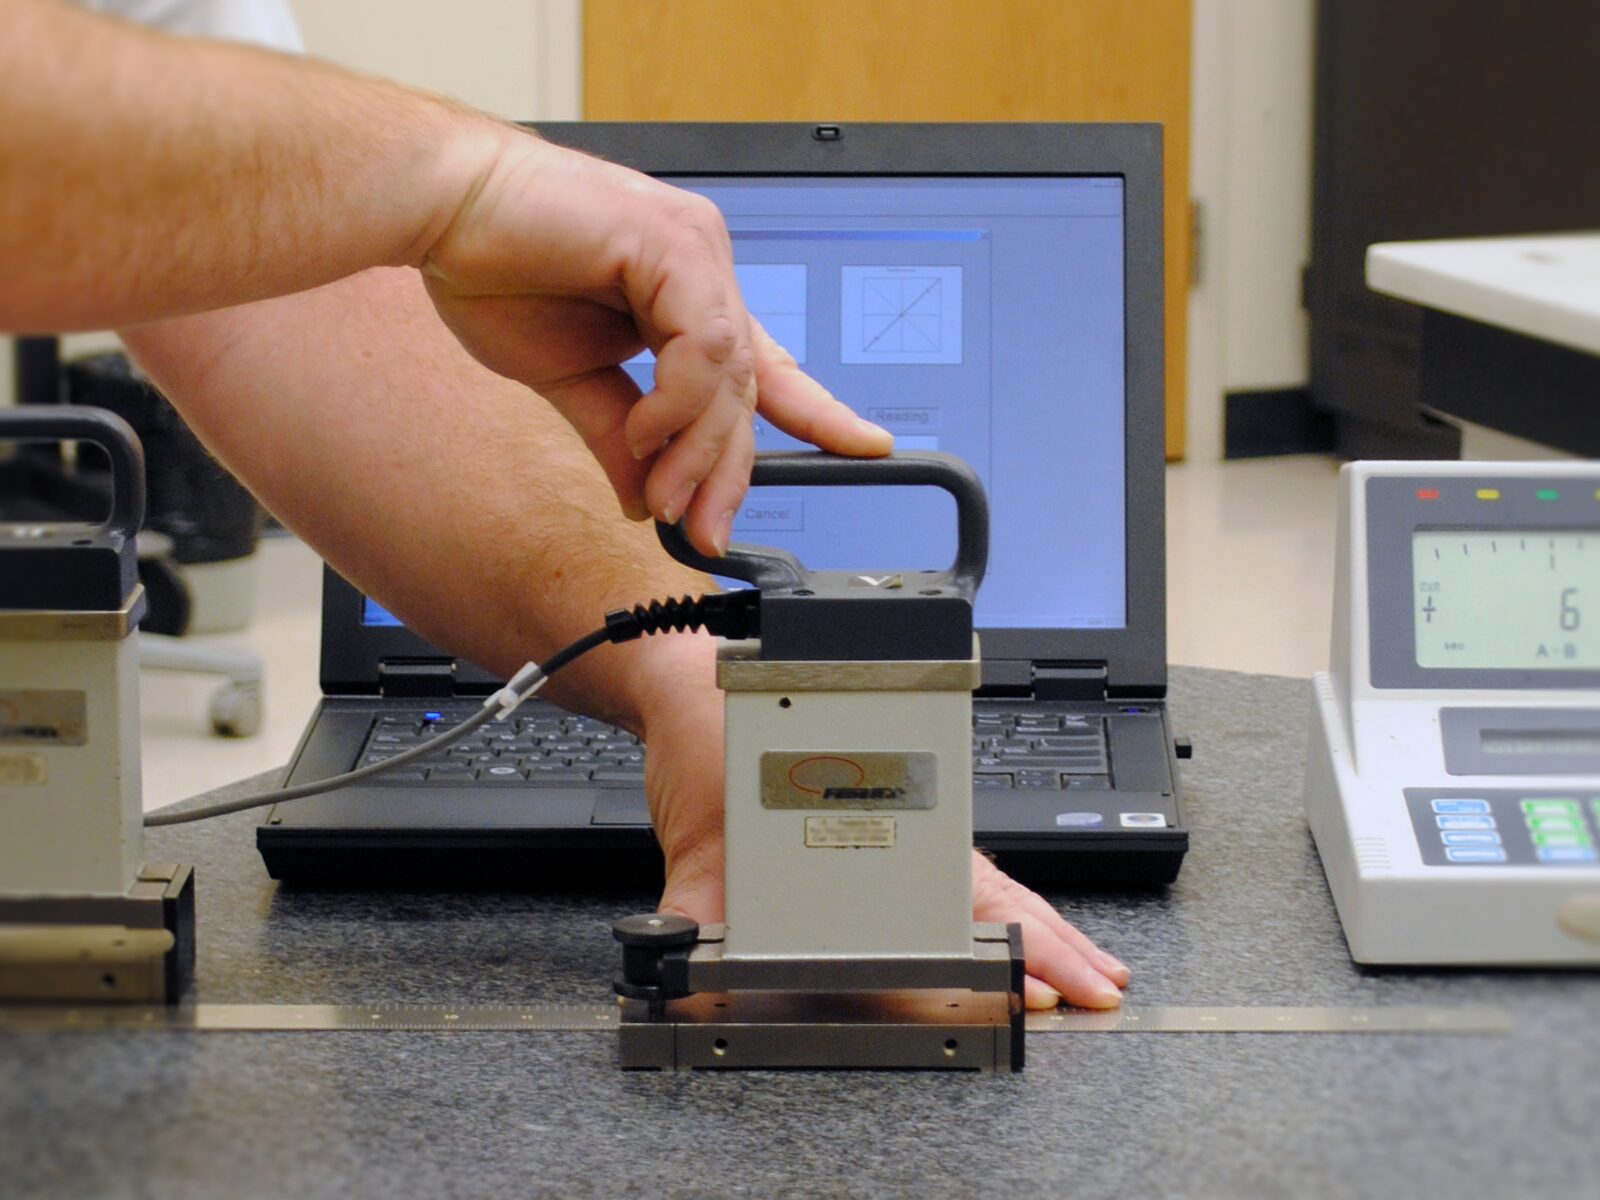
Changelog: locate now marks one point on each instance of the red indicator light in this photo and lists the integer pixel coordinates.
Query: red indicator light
(1427, 493)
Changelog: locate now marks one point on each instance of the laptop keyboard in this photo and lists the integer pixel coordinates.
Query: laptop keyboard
(555, 749)
(1038, 751)
(1028, 751)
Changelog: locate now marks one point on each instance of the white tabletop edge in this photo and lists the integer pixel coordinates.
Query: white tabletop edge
(1545, 286)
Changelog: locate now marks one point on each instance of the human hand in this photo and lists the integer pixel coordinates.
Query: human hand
(559, 267)
(683, 778)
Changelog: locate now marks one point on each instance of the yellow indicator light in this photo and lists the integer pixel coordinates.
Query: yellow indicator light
(1488, 493)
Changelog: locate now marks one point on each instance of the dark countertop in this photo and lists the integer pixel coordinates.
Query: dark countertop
(1249, 921)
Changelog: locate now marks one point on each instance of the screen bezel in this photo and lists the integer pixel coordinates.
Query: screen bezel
(1394, 513)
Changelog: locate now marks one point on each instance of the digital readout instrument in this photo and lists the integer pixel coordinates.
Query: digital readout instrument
(1453, 773)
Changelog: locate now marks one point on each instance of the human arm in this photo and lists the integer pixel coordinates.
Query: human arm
(144, 177)
(469, 509)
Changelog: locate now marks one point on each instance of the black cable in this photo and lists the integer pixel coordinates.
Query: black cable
(728, 614)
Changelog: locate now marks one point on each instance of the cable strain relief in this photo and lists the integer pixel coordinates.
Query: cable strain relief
(726, 614)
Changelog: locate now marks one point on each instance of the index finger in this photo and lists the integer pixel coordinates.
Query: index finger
(803, 408)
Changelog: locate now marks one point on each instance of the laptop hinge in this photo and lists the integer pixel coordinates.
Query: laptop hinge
(1060, 681)
(417, 677)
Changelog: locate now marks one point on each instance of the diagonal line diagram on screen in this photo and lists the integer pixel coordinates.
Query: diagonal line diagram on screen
(900, 315)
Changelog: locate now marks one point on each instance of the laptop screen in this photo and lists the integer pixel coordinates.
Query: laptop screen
(983, 317)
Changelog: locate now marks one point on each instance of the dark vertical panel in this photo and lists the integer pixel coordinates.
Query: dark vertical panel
(1435, 118)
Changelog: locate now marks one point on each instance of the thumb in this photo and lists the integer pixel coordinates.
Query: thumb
(693, 891)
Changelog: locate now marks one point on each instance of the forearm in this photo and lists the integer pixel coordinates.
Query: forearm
(454, 496)
(144, 176)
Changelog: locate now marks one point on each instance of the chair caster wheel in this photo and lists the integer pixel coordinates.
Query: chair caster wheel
(236, 710)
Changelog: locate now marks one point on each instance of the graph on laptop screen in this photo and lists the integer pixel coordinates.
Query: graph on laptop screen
(983, 317)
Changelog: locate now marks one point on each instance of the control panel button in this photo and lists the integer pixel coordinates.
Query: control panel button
(1470, 839)
(1475, 854)
(1454, 805)
(1566, 854)
(1561, 837)
(1556, 825)
(1465, 822)
(1550, 806)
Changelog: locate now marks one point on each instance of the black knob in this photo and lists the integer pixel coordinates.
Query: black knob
(647, 940)
(663, 930)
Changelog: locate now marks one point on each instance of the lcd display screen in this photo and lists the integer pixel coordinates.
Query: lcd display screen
(1507, 598)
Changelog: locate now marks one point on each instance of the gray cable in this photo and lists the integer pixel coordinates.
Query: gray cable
(316, 787)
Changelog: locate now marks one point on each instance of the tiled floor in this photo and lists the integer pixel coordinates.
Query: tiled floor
(1250, 576)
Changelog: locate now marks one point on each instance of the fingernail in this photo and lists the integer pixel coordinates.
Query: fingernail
(1107, 995)
(872, 430)
(1115, 964)
(642, 452)
(723, 533)
(679, 502)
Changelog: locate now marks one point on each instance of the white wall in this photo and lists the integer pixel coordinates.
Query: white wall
(517, 58)
(1251, 166)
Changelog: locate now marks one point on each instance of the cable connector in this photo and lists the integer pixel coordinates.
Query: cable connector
(727, 614)
(518, 688)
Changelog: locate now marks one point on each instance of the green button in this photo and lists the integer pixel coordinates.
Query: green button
(1550, 807)
(1573, 824)
(1561, 837)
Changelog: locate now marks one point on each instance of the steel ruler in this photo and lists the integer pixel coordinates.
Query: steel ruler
(597, 1018)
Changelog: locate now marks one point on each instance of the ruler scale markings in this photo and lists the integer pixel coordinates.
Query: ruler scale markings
(598, 1018)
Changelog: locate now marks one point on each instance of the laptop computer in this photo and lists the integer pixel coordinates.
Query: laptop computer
(994, 291)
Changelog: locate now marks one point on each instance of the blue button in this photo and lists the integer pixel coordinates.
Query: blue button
(1465, 822)
(1475, 854)
(1460, 806)
(1566, 854)
(1470, 839)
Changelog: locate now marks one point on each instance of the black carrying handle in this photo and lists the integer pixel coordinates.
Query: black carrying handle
(79, 423)
(766, 567)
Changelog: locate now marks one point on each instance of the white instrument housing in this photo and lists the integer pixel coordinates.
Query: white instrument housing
(1453, 767)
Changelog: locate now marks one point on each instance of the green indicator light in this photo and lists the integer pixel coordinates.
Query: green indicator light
(1548, 494)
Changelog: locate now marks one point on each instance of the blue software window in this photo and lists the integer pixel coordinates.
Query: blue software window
(983, 317)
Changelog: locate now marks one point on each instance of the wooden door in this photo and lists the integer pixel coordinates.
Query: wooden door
(911, 60)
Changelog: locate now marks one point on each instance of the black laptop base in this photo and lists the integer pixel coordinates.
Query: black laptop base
(334, 861)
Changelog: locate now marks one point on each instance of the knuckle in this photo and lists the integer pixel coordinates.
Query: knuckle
(718, 338)
(704, 213)
(742, 373)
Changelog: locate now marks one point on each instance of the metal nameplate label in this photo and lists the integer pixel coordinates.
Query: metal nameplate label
(37, 717)
(23, 770)
(850, 833)
(848, 779)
